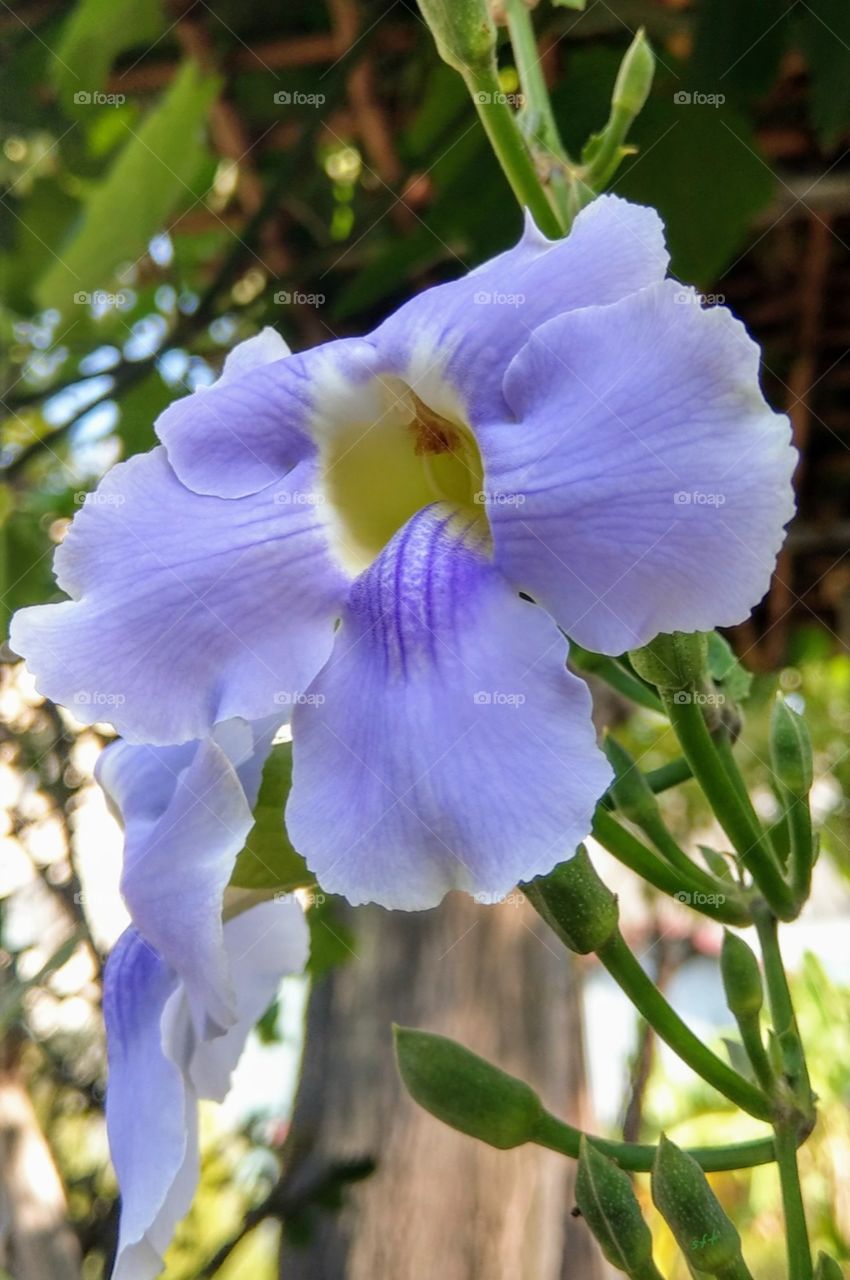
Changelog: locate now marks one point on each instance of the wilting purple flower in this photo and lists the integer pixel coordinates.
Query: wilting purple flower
(181, 989)
(357, 533)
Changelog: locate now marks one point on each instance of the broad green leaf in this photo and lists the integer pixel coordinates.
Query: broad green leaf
(726, 670)
(825, 38)
(268, 860)
(93, 36)
(569, 4)
(149, 179)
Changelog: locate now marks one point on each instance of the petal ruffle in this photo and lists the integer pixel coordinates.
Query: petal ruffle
(178, 862)
(645, 483)
(444, 745)
(158, 1069)
(151, 1123)
(254, 424)
(185, 610)
(464, 333)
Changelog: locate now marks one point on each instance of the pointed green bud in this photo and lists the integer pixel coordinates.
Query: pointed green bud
(576, 904)
(675, 662)
(827, 1268)
(634, 79)
(609, 1206)
(465, 1091)
(630, 790)
(791, 750)
(690, 1208)
(463, 31)
(741, 977)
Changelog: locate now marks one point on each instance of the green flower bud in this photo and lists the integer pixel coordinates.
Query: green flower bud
(576, 904)
(630, 790)
(791, 750)
(827, 1268)
(634, 79)
(463, 31)
(687, 1203)
(465, 1091)
(609, 1206)
(741, 977)
(673, 662)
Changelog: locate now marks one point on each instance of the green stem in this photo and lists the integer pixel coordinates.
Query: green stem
(506, 140)
(536, 114)
(695, 887)
(787, 1120)
(648, 1000)
(796, 1232)
(638, 1157)
(669, 775)
(615, 675)
(738, 821)
(751, 1038)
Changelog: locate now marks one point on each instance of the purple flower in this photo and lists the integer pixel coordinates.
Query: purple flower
(390, 538)
(181, 989)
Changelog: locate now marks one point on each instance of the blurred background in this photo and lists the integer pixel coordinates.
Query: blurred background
(175, 176)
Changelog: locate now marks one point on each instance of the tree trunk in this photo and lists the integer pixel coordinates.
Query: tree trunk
(441, 1204)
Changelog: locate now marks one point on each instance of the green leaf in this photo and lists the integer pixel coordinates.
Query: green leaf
(150, 177)
(825, 40)
(331, 939)
(569, 4)
(738, 46)
(268, 860)
(95, 33)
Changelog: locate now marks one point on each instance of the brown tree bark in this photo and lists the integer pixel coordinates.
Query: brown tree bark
(440, 1204)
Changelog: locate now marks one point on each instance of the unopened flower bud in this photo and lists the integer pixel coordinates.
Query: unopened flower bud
(634, 79)
(827, 1268)
(791, 750)
(609, 1206)
(463, 31)
(690, 1208)
(673, 662)
(465, 1091)
(576, 904)
(741, 977)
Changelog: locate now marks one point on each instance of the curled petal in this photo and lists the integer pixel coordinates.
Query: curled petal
(644, 483)
(463, 334)
(152, 1125)
(185, 610)
(444, 745)
(177, 864)
(253, 425)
